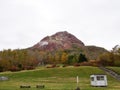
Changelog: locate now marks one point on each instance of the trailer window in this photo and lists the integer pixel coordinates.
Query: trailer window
(100, 78)
(92, 78)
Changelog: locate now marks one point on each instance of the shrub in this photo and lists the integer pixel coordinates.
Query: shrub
(14, 69)
(85, 64)
(77, 64)
(51, 66)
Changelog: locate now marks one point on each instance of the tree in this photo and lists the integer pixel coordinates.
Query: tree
(64, 57)
(103, 59)
(57, 57)
(82, 58)
(110, 59)
(117, 60)
(72, 59)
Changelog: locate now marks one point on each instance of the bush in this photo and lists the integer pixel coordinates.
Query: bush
(60, 65)
(93, 62)
(77, 64)
(1, 69)
(85, 64)
(29, 67)
(51, 66)
(14, 69)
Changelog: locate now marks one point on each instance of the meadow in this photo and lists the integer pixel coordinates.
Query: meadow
(116, 69)
(56, 79)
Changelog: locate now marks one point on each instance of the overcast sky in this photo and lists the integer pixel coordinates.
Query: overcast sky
(23, 23)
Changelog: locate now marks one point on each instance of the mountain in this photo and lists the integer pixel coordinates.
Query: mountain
(64, 41)
(92, 52)
(59, 41)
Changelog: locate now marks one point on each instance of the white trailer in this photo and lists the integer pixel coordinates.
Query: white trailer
(99, 80)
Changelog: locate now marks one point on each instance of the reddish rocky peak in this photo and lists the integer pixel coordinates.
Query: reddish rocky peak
(60, 40)
(57, 35)
(64, 33)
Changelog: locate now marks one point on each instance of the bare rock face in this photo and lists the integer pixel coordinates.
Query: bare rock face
(59, 41)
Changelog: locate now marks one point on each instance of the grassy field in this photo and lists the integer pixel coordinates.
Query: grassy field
(56, 79)
(116, 69)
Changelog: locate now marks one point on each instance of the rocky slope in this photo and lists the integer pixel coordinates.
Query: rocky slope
(59, 41)
(62, 41)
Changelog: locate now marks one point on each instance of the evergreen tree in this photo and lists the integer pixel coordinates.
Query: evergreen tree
(82, 58)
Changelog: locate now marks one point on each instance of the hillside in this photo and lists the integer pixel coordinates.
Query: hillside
(64, 41)
(58, 41)
(59, 48)
(56, 79)
(92, 52)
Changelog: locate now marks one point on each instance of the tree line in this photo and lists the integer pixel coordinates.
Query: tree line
(23, 59)
(15, 60)
(111, 58)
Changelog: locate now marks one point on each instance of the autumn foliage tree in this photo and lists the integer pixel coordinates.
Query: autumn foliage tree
(64, 57)
(110, 59)
(15, 60)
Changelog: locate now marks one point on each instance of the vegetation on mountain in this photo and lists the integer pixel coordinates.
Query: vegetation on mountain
(110, 58)
(60, 48)
(92, 52)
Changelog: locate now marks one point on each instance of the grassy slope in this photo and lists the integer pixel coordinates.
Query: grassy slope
(56, 78)
(116, 69)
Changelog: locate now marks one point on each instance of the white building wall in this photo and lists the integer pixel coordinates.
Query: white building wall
(98, 80)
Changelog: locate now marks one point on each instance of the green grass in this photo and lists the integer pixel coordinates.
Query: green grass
(56, 78)
(116, 69)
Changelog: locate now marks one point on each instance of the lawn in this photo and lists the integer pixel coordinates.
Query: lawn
(56, 79)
